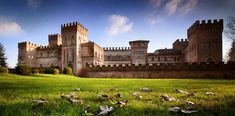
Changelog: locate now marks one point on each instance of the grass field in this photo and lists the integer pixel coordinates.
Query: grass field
(17, 93)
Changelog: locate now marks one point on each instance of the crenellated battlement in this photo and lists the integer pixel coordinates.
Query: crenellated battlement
(181, 40)
(27, 43)
(116, 48)
(196, 66)
(206, 25)
(48, 47)
(54, 35)
(73, 26)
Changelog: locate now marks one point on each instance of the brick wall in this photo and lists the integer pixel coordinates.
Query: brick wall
(184, 70)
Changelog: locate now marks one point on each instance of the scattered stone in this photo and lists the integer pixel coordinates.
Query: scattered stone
(39, 101)
(105, 110)
(75, 100)
(191, 94)
(77, 89)
(167, 98)
(86, 111)
(121, 103)
(178, 109)
(145, 89)
(136, 94)
(180, 91)
(209, 93)
(188, 111)
(68, 96)
(174, 109)
(190, 103)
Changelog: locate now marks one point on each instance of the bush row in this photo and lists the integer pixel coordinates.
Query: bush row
(24, 69)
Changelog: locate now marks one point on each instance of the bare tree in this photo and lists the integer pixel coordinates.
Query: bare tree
(230, 28)
(230, 34)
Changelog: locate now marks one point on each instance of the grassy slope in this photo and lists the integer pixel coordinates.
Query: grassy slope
(16, 93)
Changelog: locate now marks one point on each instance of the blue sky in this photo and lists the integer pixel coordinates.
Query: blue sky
(110, 22)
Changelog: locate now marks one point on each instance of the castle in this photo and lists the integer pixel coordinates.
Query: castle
(72, 49)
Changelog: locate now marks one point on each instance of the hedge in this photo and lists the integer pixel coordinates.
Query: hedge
(68, 71)
(4, 70)
(23, 69)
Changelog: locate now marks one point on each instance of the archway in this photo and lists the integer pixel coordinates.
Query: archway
(209, 60)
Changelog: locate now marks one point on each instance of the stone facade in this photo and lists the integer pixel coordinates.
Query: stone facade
(117, 55)
(72, 48)
(64, 50)
(205, 41)
(92, 54)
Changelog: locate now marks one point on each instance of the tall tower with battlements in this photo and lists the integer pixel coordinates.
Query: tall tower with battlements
(205, 41)
(73, 35)
(27, 53)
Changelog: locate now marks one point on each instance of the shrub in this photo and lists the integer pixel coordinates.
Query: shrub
(35, 71)
(23, 69)
(49, 71)
(4, 70)
(56, 71)
(68, 71)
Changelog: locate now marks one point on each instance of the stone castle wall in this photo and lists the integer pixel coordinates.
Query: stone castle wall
(184, 70)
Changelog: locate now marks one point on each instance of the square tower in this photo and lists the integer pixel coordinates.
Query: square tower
(73, 35)
(54, 39)
(27, 53)
(139, 51)
(205, 41)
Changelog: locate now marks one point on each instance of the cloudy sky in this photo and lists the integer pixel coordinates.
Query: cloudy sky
(110, 22)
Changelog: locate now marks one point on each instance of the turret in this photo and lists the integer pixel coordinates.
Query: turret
(54, 39)
(215, 26)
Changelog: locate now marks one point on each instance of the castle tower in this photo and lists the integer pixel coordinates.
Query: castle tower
(73, 35)
(27, 53)
(139, 51)
(54, 39)
(180, 44)
(205, 41)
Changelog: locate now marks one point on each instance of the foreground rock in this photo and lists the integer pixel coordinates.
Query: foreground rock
(105, 110)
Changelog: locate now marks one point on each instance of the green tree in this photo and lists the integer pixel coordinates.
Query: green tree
(2, 56)
(230, 34)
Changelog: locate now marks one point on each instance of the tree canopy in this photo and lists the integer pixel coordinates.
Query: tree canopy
(2, 56)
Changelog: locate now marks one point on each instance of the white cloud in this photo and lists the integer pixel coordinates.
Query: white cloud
(154, 18)
(119, 24)
(34, 3)
(156, 3)
(172, 6)
(190, 5)
(10, 29)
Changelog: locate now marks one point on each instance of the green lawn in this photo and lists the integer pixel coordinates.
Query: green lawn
(17, 93)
